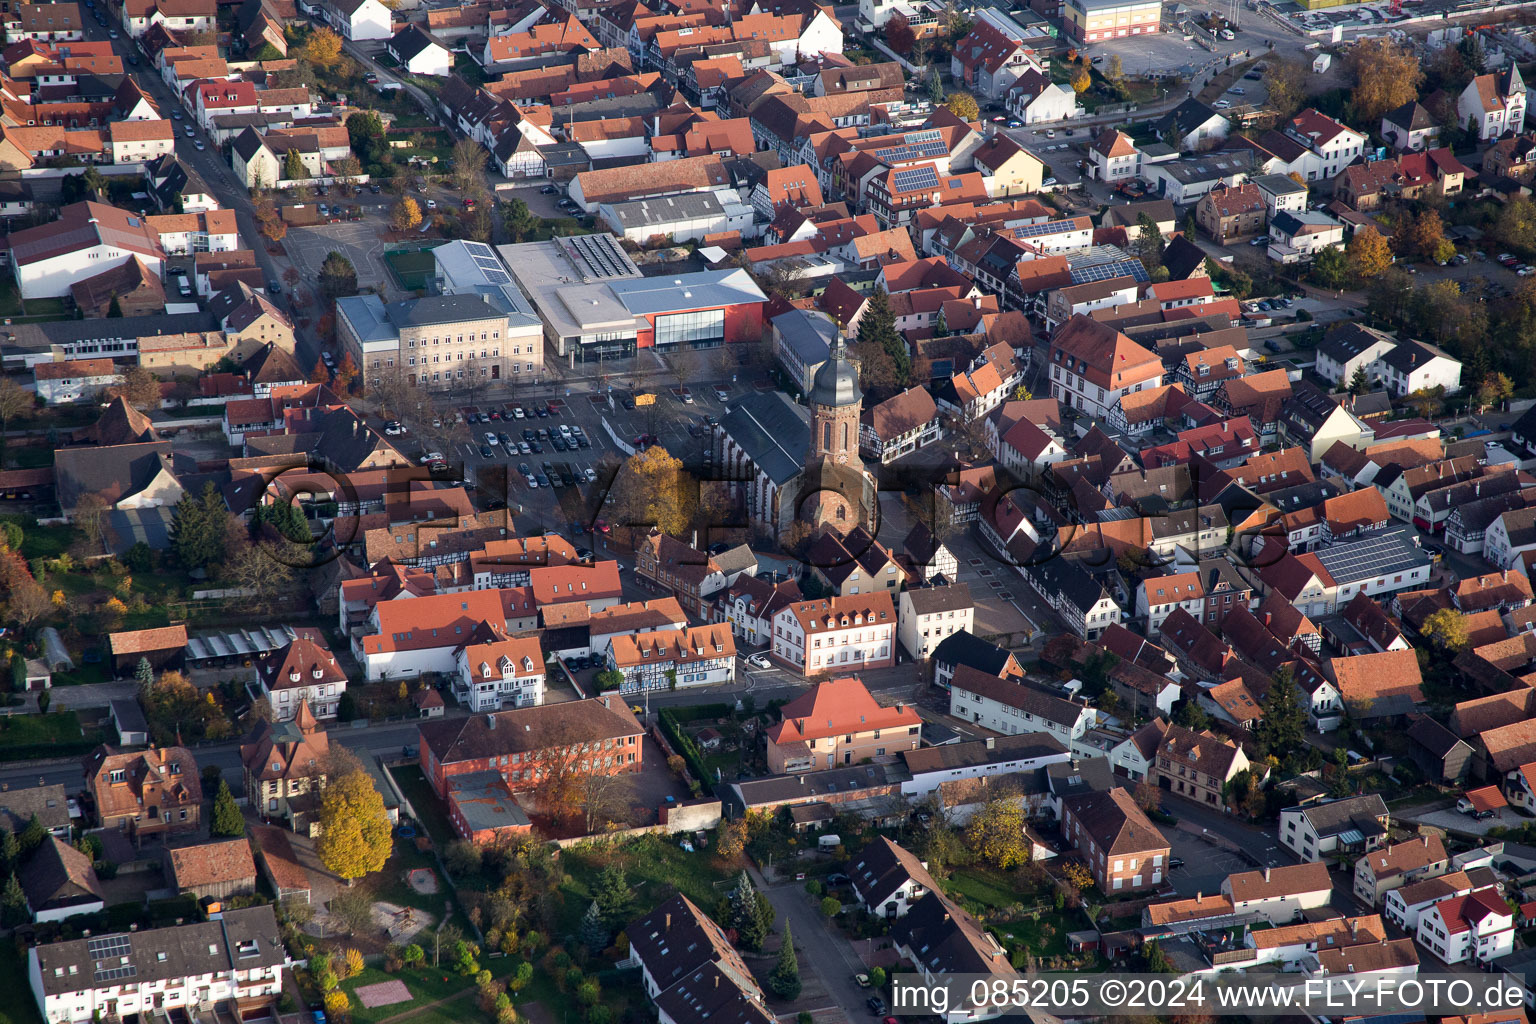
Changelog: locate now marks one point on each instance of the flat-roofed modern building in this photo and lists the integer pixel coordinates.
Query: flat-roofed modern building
(595, 304)
(442, 341)
(1093, 21)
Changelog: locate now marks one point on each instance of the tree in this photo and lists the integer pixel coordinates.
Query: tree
(878, 327)
(1420, 236)
(91, 516)
(10, 849)
(996, 833)
(347, 168)
(1495, 388)
(652, 489)
(139, 388)
(594, 933)
(1386, 77)
(1330, 268)
(831, 906)
(609, 679)
(14, 899)
(1446, 629)
(1081, 80)
(1281, 727)
(337, 1005)
(574, 781)
(338, 276)
(1147, 796)
(365, 134)
(963, 105)
(468, 162)
(1515, 226)
(1116, 69)
(346, 371)
(1358, 384)
(293, 166)
(1368, 254)
(33, 836)
(519, 222)
(899, 35)
(322, 49)
(274, 228)
(1149, 242)
(785, 979)
(1157, 960)
(200, 528)
(613, 896)
(355, 833)
(1190, 715)
(1285, 84)
(14, 400)
(227, 819)
(751, 914)
(731, 838)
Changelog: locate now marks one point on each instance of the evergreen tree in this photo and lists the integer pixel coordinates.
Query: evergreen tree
(13, 899)
(613, 895)
(785, 979)
(33, 835)
(10, 850)
(199, 528)
(115, 309)
(594, 933)
(1358, 383)
(1279, 732)
(1149, 242)
(878, 327)
(227, 819)
(144, 675)
(747, 916)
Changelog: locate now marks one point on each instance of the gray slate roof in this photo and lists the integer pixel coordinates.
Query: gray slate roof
(773, 431)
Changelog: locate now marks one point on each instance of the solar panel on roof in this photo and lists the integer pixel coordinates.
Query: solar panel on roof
(114, 973)
(478, 249)
(108, 946)
(916, 177)
(497, 277)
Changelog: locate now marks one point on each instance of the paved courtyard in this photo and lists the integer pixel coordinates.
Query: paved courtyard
(359, 241)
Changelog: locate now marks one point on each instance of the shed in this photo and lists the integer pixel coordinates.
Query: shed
(38, 676)
(274, 854)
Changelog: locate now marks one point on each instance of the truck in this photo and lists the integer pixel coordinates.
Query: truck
(1321, 63)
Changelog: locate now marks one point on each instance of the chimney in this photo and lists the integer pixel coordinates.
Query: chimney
(1354, 928)
(1266, 873)
(490, 721)
(1425, 841)
(802, 780)
(668, 922)
(991, 742)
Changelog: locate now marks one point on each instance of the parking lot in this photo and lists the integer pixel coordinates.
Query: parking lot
(1205, 865)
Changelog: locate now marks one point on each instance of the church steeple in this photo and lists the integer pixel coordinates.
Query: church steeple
(836, 402)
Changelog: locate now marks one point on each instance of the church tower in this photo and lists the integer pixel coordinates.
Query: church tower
(837, 491)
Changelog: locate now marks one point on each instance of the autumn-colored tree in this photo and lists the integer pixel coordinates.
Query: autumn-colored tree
(1115, 71)
(337, 1005)
(1077, 874)
(319, 375)
(1495, 388)
(731, 838)
(899, 35)
(1081, 80)
(355, 832)
(139, 388)
(1386, 77)
(274, 229)
(1446, 629)
(14, 400)
(322, 49)
(963, 105)
(653, 489)
(347, 372)
(1285, 84)
(1147, 796)
(996, 833)
(406, 215)
(1369, 254)
(1420, 236)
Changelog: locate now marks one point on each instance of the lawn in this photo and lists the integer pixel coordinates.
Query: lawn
(1030, 932)
(43, 541)
(655, 866)
(426, 985)
(56, 734)
(987, 886)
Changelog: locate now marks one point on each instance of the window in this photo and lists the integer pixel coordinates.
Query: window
(705, 327)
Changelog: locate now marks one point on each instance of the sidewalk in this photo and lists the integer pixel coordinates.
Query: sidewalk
(821, 948)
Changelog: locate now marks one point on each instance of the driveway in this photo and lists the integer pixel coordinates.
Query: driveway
(90, 695)
(822, 949)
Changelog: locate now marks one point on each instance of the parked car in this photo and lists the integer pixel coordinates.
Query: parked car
(393, 428)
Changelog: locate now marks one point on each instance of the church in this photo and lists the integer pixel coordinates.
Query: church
(801, 463)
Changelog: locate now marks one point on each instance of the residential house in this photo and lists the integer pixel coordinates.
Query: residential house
(283, 765)
(1123, 849)
(1477, 927)
(1410, 127)
(499, 674)
(1279, 894)
(1232, 214)
(1191, 126)
(1093, 366)
(668, 658)
(836, 634)
(927, 615)
(1011, 707)
(932, 767)
(235, 960)
(59, 882)
(419, 52)
(358, 20)
(1351, 825)
(837, 723)
(1197, 765)
(1397, 865)
(692, 576)
(147, 794)
(303, 671)
(899, 426)
(887, 879)
(1494, 103)
(1113, 157)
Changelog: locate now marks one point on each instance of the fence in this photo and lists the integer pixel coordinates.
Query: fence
(906, 65)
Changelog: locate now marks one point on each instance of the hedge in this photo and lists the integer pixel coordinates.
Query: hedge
(684, 745)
